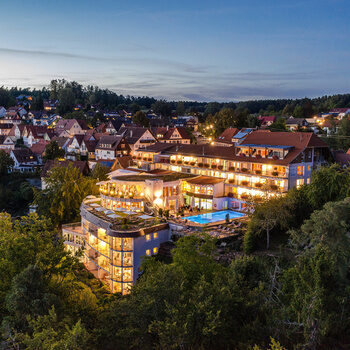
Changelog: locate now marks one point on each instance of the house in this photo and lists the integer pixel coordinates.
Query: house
(294, 124)
(34, 133)
(24, 160)
(226, 138)
(11, 119)
(5, 128)
(137, 137)
(39, 150)
(178, 134)
(113, 126)
(7, 142)
(81, 145)
(17, 131)
(62, 142)
(266, 121)
(123, 162)
(232, 136)
(50, 105)
(339, 112)
(111, 146)
(81, 165)
(16, 111)
(70, 127)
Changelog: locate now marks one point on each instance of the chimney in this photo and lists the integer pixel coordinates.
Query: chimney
(167, 127)
(203, 150)
(130, 133)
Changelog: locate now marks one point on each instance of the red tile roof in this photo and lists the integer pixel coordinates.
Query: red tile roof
(227, 135)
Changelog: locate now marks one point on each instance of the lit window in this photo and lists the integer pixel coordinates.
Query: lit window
(148, 238)
(148, 252)
(300, 170)
(300, 182)
(155, 235)
(155, 250)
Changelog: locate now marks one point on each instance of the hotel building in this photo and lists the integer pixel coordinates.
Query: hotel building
(120, 226)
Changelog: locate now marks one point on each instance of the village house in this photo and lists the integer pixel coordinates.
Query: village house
(137, 137)
(70, 127)
(24, 160)
(111, 146)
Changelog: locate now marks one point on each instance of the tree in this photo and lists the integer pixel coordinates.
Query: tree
(28, 296)
(100, 172)
(6, 163)
(316, 288)
(65, 191)
(67, 100)
(49, 333)
(162, 107)
(53, 151)
(140, 118)
(330, 183)
(278, 125)
(180, 108)
(134, 107)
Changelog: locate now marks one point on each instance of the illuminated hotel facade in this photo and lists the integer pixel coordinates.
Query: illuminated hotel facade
(264, 164)
(120, 226)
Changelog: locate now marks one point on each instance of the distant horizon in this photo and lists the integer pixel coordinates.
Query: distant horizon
(198, 51)
(173, 100)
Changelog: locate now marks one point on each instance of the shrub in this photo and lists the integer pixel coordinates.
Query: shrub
(248, 242)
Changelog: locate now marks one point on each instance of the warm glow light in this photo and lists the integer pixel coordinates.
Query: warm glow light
(158, 194)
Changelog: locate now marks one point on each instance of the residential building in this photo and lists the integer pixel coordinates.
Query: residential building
(71, 127)
(24, 160)
(5, 128)
(50, 105)
(266, 121)
(111, 146)
(137, 137)
(294, 124)
(178, 134)
(340, 112)
(2, 111)
(38, 150)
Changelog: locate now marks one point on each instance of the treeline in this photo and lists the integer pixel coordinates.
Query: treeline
(72, 93)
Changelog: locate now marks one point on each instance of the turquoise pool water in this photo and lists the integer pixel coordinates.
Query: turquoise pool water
(215, 216)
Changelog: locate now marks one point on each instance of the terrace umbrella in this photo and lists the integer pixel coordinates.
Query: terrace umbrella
(94, 205)
(113, 216)
(91, 196)
(100, 209)
(109, 212)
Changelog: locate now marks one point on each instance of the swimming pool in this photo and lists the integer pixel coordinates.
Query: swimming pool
(215, 216)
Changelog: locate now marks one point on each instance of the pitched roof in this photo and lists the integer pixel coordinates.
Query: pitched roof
(205, 180)
(90, 145)
(132, 133)
(109, 141)
(39, 147)
(227, 135)
(181, 130)
(23, 155)
(339, 110)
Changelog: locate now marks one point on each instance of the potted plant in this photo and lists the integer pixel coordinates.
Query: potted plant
(192, 163)
(231, 168)
(244, 183)
(213, 166)
(200, 165)
(230, 194)
(220, 167)
(244, 170)
(274, 187)
(258, 172)
(179, 162)
(206, 165)
(258, 184)
(275, 173)
(149, 159)
(172, 161)
(231, 181)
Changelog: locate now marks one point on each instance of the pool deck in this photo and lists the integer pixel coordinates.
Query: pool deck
(183, 221)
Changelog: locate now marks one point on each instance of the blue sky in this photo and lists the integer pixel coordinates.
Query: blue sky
(180, 50)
